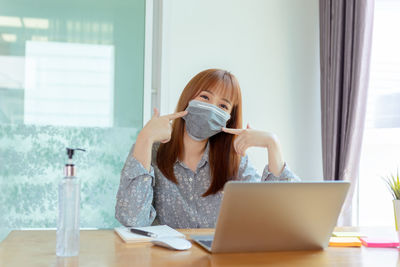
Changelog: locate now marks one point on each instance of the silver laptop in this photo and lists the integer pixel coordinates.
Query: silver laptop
(276, 216)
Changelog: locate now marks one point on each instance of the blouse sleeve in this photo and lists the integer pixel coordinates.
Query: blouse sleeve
(248, 173)
(135, 194)
(286, 175)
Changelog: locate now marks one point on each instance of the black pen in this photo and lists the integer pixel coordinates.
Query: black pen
(141, 232)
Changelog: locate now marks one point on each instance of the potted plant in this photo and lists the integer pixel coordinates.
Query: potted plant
(393, 182)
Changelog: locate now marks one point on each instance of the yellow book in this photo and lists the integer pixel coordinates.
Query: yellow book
(347, 234)
(344, 242)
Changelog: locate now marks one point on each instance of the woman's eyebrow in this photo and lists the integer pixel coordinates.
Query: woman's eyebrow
(226, 100)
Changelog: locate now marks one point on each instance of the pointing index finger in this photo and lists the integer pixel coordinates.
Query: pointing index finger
(232, 131)
(176, 115)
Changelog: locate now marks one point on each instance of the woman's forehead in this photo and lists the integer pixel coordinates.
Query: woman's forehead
(222, 91)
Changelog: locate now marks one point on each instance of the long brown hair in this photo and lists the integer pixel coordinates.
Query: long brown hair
(224, 161)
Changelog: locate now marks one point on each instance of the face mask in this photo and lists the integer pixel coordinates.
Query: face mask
(204, 120)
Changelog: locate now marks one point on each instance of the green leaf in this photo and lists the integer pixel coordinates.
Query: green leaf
(393, 184)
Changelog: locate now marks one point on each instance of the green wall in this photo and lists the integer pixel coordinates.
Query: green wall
(32, 156)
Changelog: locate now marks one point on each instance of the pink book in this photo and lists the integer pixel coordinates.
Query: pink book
(379, 242)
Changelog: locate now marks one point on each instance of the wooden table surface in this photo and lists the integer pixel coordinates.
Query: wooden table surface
(105, 248)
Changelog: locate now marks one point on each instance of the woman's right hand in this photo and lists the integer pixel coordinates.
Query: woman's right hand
(158, 128)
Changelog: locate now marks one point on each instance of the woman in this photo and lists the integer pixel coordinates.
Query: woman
(175, 172)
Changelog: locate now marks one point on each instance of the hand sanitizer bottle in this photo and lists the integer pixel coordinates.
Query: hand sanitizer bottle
(68, 210)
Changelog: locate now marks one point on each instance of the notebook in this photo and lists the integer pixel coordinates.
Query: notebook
(344, 242)
(380, 242)
(161, 231)
(347, 234)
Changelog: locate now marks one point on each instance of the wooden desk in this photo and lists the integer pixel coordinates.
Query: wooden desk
(105, 248)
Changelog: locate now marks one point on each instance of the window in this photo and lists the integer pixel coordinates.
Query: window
(381, 144)
(71, 74)
(69, 84)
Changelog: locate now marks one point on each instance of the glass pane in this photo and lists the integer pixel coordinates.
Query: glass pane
(71, 75)
(381, 142)
(383, 109)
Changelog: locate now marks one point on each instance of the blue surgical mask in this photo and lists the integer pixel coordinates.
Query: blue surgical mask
(204, 120)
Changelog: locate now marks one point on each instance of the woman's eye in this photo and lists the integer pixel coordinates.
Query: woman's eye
(205, 97)
(223, 106)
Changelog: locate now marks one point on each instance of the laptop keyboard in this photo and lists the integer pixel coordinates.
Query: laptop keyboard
(207, 243)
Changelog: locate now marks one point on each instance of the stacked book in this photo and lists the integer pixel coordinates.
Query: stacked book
(355, 239)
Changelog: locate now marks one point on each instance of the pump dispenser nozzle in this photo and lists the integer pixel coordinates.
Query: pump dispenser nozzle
(69, 168)
(70, 151)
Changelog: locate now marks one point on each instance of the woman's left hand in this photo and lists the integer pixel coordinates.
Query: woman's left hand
(248, 137)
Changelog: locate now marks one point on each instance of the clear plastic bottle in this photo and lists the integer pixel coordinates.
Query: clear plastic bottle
(68, 213)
